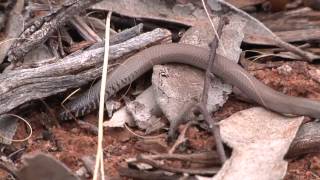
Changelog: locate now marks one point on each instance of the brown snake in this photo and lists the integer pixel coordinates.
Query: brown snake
(227, 70)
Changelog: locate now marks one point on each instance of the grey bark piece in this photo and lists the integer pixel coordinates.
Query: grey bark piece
(177, 88)
(159, 10)
(147, 9)
(111, 105)
(8, 127)
(200, 35)
(121, 36)
(127, 34)
(141, 112)
(256, 31)
(119, 119)
(144, 110)
(231, 38)
(37, 55)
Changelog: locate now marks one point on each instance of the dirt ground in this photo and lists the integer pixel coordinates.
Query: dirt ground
(72, 142)
(68, 142)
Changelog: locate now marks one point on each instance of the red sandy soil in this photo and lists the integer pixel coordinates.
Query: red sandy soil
(120, 144)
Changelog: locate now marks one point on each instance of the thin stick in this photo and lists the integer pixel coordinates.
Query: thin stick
(142, 136)
(181, 139)
(203, 105)
(99, 159)
(204, 4)
(165, 167)
(209, 157)
(215, 131)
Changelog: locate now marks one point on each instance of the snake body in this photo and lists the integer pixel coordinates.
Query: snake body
(227, 70)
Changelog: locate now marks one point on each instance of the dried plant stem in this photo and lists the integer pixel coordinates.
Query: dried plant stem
(99, 156)
(203, 104)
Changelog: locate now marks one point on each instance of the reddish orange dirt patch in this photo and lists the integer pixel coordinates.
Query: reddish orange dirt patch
(119, 144)
(76, 143)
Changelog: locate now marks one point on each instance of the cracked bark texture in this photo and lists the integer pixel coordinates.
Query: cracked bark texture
(23, 85)
(39, 31)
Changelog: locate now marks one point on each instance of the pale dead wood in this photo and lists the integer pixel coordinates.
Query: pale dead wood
(40, 30)
(20, 86)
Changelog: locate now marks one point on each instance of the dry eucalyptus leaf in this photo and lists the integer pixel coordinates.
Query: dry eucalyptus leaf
(260, 139)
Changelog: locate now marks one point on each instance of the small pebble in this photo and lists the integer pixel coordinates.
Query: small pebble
(285, 69)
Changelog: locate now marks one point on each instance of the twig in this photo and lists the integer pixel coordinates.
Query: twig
(86, 32)
(181, 139)
(210, 157)
(177, 170)
(60, 45)
(144, 136)
(208, 13)
(215, 131)
(126, 34)
(203, 104)
(155, 175)
(16, 153)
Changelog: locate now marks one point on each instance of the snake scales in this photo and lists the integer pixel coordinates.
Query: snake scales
(230, 72)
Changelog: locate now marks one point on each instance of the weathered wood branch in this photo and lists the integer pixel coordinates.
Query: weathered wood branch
(20, 86)
(39, 31)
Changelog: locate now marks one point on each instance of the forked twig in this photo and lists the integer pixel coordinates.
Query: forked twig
(181, 139)
(203, 104)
